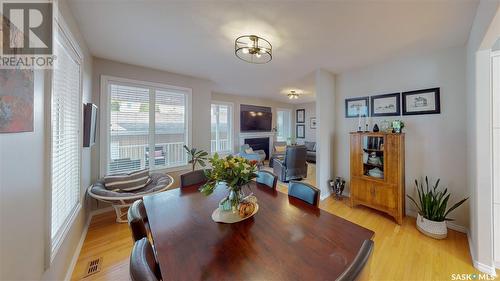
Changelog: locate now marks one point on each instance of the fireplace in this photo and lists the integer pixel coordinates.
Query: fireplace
(259, 144)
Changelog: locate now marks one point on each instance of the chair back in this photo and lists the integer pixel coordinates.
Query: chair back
(137, 219)
(278, 143)
(143, 265)
(267, 178)
(304, 192)
(192, 178)
(295, 157)
(355, 269)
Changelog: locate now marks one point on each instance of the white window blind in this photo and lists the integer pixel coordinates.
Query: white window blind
(65, 125)
(221, 121)
(283, 123)
(148, 127)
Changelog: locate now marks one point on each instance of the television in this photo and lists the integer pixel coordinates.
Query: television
(89, 124)
(255, 118)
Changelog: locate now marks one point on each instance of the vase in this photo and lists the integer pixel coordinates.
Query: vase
(232, 200)
(434, 229)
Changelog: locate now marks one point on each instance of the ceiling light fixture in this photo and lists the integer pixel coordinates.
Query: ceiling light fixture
(253, 49)
(293, 95)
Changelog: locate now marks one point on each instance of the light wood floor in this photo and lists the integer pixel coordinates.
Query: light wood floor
(401, 252)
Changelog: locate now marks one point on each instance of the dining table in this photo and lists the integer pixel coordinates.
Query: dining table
(287, 239)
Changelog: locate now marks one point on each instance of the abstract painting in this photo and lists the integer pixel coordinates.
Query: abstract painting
(16, 100)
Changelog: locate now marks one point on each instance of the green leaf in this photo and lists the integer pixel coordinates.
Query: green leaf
(455, 206)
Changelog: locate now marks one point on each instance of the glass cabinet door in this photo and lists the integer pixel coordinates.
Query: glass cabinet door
(373, 156)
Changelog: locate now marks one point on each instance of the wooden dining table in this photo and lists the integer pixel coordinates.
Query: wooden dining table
(287, 239)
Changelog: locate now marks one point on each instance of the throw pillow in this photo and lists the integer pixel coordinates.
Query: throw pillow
(249, 150)
(280, 148)
(127, 182)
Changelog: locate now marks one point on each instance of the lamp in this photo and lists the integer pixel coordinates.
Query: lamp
(293, 95)
(253, 49)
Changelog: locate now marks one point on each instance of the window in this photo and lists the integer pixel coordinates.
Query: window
(283, 122)
(65, 120)
(146, 125)
(221, 127)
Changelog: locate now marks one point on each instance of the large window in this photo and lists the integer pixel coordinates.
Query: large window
(146, 126)
(65, 120)
(283, 122)
(221, 127)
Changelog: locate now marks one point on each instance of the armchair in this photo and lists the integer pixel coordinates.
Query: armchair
(258, 155)
(293, 165)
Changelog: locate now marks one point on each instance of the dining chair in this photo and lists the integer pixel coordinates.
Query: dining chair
(137, 220)
(304, 192)
(192, 178)
(267, 178)
(143, 265)
(354, 270)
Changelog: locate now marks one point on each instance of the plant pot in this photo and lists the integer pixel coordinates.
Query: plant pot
(434, 229)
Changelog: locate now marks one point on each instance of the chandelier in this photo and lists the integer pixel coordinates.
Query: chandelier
(293, 95)
(253, 49)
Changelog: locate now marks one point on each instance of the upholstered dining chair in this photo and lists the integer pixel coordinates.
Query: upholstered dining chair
(267, 178)
(143, 265)
(304, 192)
(137, 220)
(192, 178)
(355, 269)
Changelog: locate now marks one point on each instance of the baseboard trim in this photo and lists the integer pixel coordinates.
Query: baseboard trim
(76, 255)
(479, 266)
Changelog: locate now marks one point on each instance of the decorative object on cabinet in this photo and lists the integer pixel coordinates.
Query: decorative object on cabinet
(397, 126)
(386, 105)
(300, 131)
(300, 116)
(378, 173)
(356, 107)
(422, 102)
(431, 206)
(375, 128)
(313, 123)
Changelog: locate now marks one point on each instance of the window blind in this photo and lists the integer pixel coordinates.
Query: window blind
(221, 128)
(65, 142)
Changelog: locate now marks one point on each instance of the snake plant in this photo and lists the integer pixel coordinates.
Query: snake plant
(432, 202)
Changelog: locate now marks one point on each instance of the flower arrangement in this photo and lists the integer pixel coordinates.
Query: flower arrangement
(232, 171)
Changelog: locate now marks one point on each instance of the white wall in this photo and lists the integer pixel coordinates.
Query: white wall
(239, 100)
(310, 109)
(479, 138)
(23, 196)
(201, 96)
(435, 144)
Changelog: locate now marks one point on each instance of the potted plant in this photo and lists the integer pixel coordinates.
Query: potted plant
(233, 173)
(196, 157)
(432, 213)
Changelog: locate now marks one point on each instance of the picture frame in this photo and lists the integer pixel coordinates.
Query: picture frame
(355, 107)
(300, 131)
(312, 123)
(386, 105)
(426, 101)
(300, 116)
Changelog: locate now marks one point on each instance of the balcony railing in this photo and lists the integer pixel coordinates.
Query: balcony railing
(223, 145)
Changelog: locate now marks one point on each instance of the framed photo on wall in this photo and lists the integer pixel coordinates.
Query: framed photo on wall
(300, 116)
(313, 124)
(355, 107)
(386, 105)
(300, 131)
(419, 102)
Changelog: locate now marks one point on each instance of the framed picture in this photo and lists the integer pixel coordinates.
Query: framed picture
(16, 100)
(355, 107)
(422, 102)
(386, 105)
(300, 116)
(312, 122)
(300, 131)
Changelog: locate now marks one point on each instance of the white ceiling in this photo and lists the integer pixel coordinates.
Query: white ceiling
(197, 37)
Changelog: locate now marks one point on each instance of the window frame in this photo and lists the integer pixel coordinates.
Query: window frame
(230, 129)
(61, 30)
(105, 101)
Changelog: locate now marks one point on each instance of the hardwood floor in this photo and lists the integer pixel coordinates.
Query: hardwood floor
(401, 251)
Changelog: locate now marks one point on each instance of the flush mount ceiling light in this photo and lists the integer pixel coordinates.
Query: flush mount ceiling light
(253, 49)
(293, 95)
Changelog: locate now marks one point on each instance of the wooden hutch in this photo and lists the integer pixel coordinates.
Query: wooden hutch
(378, 172)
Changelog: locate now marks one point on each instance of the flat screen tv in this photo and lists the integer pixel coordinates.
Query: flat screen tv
(255, 118)
(89, 124)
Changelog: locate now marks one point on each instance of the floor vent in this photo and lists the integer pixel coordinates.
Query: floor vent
(93, 267)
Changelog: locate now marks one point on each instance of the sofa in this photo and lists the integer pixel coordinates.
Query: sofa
(250, 154)
(310, 151)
